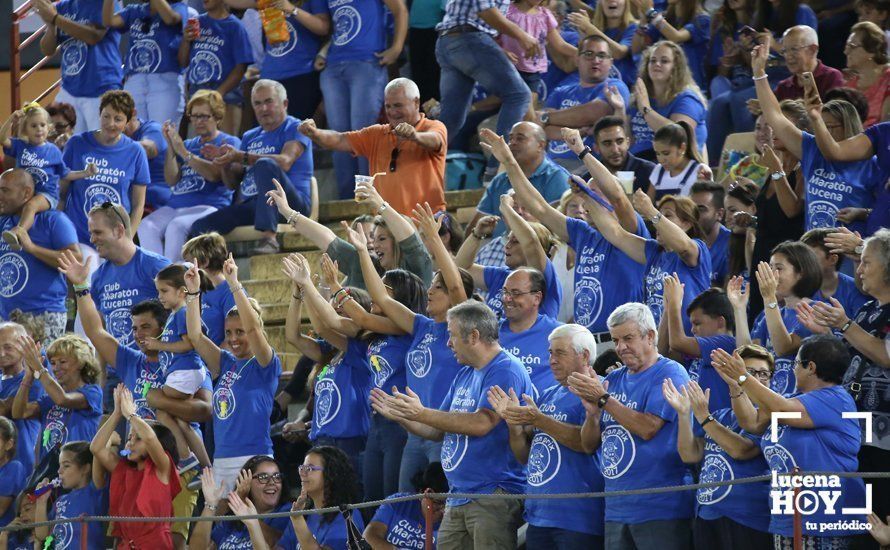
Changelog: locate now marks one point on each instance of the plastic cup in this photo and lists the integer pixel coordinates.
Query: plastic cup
(627, 181)
(363, 181)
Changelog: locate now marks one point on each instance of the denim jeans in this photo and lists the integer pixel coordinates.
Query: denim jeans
(353, 95)
(383, 457)
(254, 210)
(560, 539)
(418, 454)
(675, 534)
(471, 57)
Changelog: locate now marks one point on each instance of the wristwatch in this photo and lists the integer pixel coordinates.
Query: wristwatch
(584, 153)
(742, 379)
(772, 305)
(646, 110)
(601, 402)
(545, 117)
(656, 218)
(776, 176)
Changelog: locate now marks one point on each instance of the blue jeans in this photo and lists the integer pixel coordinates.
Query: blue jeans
(675, 534)
(418, 454)
(471, 57)
(254, 210)
(383, 457)
(353, 95)
(560, 539)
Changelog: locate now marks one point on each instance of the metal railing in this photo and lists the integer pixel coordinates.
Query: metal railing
(15, 65)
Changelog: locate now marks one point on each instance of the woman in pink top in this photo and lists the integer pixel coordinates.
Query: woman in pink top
(867, 59)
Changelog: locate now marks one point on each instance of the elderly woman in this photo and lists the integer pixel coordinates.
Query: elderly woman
(816, 439)
(866, 51)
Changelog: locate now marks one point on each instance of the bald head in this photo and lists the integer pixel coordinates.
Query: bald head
(528, 143)
(532, 129)
(16, 188)
(806, 34)
(800, 46)
(18, 177)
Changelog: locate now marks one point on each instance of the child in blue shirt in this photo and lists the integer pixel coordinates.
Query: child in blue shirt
(12, 474)
(41, 159)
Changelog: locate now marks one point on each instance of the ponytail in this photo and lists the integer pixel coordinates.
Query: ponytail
(677, 134)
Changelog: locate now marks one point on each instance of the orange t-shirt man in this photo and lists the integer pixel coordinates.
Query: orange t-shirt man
(412, 174)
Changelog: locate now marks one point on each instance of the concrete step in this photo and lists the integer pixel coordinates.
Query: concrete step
(268, 266)
(349, 209)
(278, 341)
(271, 291)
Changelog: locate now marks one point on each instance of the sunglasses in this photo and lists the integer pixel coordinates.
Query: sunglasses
(393, 159)
(110, 205)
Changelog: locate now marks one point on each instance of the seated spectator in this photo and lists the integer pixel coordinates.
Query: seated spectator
(612, 148)
(839, 285)
(14, 473)
(874, 11)
(740, 211)
(13, 367)
(709, 198)
(665, 92)
(685, 23)
(22, 539)
(64, 120)
(800, 46)
(148, 134)
(197, 189)
(406, 155)
(616, 23)
(867, 59)
(274, 150)
(680, 164)
(30, 284)
(750, 166)
(633, 415)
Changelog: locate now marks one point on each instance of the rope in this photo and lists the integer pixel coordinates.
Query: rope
(442, 496)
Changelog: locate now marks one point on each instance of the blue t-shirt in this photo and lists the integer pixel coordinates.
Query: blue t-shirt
(605, 277)
(696, 48)
(386, 358)
(121, 166)
(405, 524)
(686, 103)
(631, 462)
(846, 293)
(27, 430)
(720, 257)
(783, 381)
(496, 276)
(115, 289)
(233, 535)
(297, 55)
(831, 186)
(223, 44)
(328, 534)
(13, 477)
(532, 348)
(879, 135)
(154, 45)
(242, 401)
(87, 501)
(192, 189)
(701, 370)
(554, 468)
(26, 282)
(570, 95)
(831, 446)
(88, 71)
(661, 262)
(43, 162)
(260, 142)
(140, 376)
(430, 382)
(215, 305)
(626, 65)
(555, 76)
(174, 330)
(358, 30)
(158, 192)
(745, 503)
(61, 425)
(341, 406)
(483, 464)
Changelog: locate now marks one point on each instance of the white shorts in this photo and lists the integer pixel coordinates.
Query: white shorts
(185, 381)
(226, 470)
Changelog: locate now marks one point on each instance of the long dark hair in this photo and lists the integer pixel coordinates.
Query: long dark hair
(340, 481)
(677, 134)
(407, 289)
(745, 193)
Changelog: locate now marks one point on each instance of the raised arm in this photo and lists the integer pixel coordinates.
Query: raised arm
(790, 135)
(205, 347)
(629, 243)
(678, 340)
(109, 18)
(466, 254)
(858, 147)
(78, 273)
(690, 448)
(535, 255)
(400, 227)
(737, 292)
(518, 432)
(321, 314)
(429, 229)
(736, 446)
(320, 235)
(473, 424)
(833, 315)
(167, 14)
(163, 465)
(86, 33)
(256, 337)
(672, 237)
(783, 342)
(292, 327)
(103, 453)
(31, 353)
(329, 139)
(22, 408)
(7, 128)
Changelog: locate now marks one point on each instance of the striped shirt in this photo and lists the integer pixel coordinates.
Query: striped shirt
(466, 12)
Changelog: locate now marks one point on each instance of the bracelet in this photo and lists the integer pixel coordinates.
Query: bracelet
(342, 289)
(211, 507)
(761, 77)
(704, 423)
(731, 396)
(601, 402)
(191, 298)
(82, 292)
(130, 416)
(478, 236)
(584, 153)
(292, 217)
(240, 288)
(847, 325)
(298, 297)
(198, 293)
(81, 286)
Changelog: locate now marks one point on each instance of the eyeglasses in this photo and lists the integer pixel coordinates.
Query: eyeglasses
(200, 117)
(61, 126)
(264, 478)
(599, 56)
(110, 205)
(761, 374)
(852, 46)
(307, 468)
(792, 50)
(393, 159)
(515, 293)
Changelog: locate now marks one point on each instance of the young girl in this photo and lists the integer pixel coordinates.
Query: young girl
(679, 162)
(12, 474)
(180, 363)
(145, 483)
(614, 21)
(41, 159)
(84, 499)
(22, 539)
(686, 23)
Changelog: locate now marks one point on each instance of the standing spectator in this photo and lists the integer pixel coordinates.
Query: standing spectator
(12, 366)
(800, 46)
(406, 155)
(197, 189)
(90, 61)
(152, 71)
(423, 16)
(273, 151)
(148, 134)
(637, 429)
(354, 78)
(867, 59)
(216, 58)
(476, 453)
(30, 285)
(209, 253)
(685, 22)
(740, 210)
(616, 23)
(709, 197)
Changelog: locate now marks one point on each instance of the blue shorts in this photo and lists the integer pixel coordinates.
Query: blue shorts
(53, 201)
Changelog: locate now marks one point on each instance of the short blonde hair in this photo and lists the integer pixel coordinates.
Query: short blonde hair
(212, 99)
(74, 347)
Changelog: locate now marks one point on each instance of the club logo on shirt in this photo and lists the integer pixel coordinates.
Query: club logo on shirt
(381, 369)
(784, 381)
(284, 48)
(190, 182)
(13, 274)
(588, 301)
(39, 176)
(347, 24)
(205, 67)
(99, 193)
(120, 325)
(778, 457)
(619, 451)
(236, 541)
(63, 533)
(454, 448)
(822, 214)
(715, 468)
(655, 291)
(223, 402)
(327, 401)
(420, 360)
(74, 57)
(144, 56)
(55, 428)
(544, 460)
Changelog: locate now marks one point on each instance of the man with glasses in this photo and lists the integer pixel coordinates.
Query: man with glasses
(800, 47)
(406, 155)
(581, 104)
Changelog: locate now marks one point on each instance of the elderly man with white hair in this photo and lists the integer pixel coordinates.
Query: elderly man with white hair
(800, 47)
(407, 154)
(273, 151)
(636, 431)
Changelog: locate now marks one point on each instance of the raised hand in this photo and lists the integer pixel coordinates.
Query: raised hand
(767, 281)
(296, 267)
(771, 160)
(380, 402)
(808, 317)
(587, 385)
(74, 270)
(522, 415)
(405, 131)
(831, 314)
(193, 278)
(811, 100)
(277, 198)
(698, 399)
(759, 57)
(843, 241)
(330, 272)
(242, 485)
(880, 530)
(212, 491)
(485, 226)
(572, 138)
(496, 145)
(677, 400)
(30, 352)
(425, 220)
(641, 95)
(643, 204)
(673, 291)
(729, 366)
(127, 405)
(581, 21)
(407, 404)
(367, 193)
(356, 237)
(241, 507)
(614, 99)
(737, 292)
(228, 155)
(499, 400)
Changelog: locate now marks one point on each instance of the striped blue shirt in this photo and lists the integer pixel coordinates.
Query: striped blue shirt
(466, 12)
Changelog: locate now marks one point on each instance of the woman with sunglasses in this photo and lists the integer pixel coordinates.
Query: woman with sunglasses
(260, 480)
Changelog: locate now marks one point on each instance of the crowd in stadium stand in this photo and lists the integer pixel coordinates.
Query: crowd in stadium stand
(678, 272)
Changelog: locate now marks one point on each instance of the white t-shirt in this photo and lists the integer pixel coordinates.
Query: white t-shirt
(666, 184)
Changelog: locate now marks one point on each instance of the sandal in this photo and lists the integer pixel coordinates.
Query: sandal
(12, 239)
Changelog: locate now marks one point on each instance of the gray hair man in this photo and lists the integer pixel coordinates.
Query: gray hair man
(476, 454)
(12, 366)
(637, 433)
(800, 47)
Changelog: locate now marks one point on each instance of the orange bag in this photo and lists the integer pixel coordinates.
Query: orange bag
(274, 24)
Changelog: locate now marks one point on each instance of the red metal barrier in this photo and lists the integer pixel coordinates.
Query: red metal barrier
(798, 528)
(428, 521)
(15, 63)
